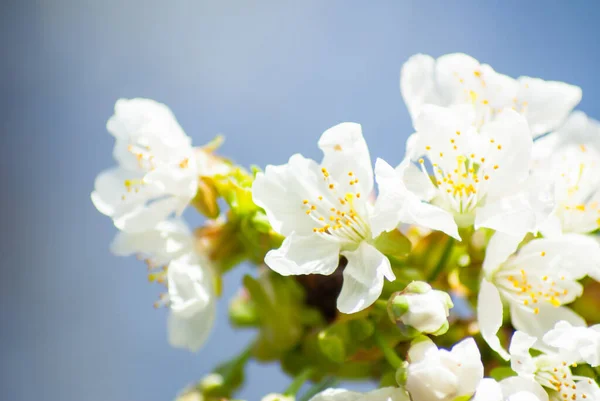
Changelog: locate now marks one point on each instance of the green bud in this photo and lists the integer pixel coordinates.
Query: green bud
(418, 287)
(397, 306)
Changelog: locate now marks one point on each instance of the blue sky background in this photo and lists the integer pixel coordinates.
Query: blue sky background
(76, 322)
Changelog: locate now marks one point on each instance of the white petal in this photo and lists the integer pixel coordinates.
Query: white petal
(498, 250)
(520, 359)
(191, 333)
(345, 150)
(471, 370)
(144, 117)
(363, 278)
(192, 302)
(488, 390)
(167, 241)
(337, 394)
(395, 204)
(509, 157)
(577, 255)
(516, 384)
(417, 83)
(581, 341)
(510, 215)
(546, 103)
(281, 190)
(537, 325)
(310, 254)
(144, 218)
(489, 315)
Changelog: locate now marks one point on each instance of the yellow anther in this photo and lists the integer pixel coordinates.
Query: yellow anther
(331, 186)
(499, 147)
(428, 147)
(305, 201)
(495, 167)
(421, 161)
(543, 253)
(536, 311)
(457, 132)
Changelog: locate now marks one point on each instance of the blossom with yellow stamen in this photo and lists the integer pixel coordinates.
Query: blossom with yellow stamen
(321, 210)
(536, 283)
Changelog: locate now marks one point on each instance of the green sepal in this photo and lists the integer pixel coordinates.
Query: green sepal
(393, 244)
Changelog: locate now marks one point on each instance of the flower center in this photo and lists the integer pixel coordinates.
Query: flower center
(531, 289)
(462, 184)
(337, 214)
(560, 379)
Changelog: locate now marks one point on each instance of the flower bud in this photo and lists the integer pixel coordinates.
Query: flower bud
(421, 308)
(441, 375)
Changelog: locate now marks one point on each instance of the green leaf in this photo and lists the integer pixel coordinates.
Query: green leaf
(501, 373)
(393, 243)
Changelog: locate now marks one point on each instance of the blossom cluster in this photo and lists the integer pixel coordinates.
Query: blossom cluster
(483, 235)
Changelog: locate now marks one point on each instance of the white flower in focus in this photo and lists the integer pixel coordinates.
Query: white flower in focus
(323, 211)
(477, 178)
(439, 375)
(535, 283)
(551, 370)
(581, 341)
(569, 160)
(382, 394)
(157, 173)
(457, 78)
(422, 308)
(189, 279)
(510, 389)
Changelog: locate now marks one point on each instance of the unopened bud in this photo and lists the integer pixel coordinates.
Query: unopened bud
(421, 308)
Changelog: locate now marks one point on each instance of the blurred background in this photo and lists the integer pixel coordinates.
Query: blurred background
(77, 323)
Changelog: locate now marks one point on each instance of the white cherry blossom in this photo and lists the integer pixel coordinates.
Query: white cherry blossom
(478, 179)
(569, 160)
(576, 340)
(510, 389)
(323, 211)
(157, 172)
(551, 370)
(439, 375)
(382, 394)
(457, 78)
(535, 282)
(189, 278)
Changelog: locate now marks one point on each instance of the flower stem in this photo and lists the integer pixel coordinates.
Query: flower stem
(298, 382)
(388, 352)
(442, 261)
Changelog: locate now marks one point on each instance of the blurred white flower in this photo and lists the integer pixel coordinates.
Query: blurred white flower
(157, 172)
(551, 370)
(189, 278)
(422, 308)
(535, 282)
(510, 389)
(441, 375)
(323, 210)
(457, 78)
(478, 179)
(278, 397)
(382, 394)
(568, 161)
(576, 340)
